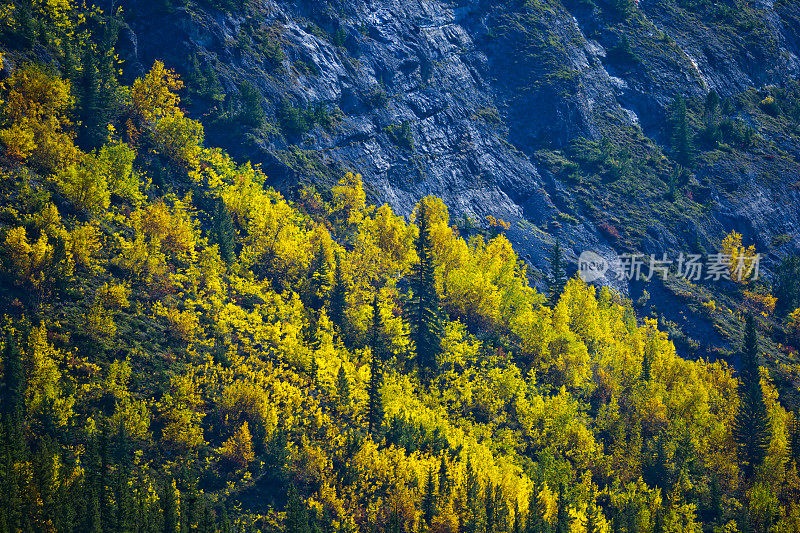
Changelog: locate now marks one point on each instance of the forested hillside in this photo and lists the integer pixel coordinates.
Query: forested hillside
(185, 349)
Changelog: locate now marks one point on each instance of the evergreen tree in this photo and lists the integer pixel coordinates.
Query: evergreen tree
(252, 112)
(320, 282)
(444, 480)
(98, 83)
(13, 382)
(517, 528)
(342, 389)
(715, 500)
(224, 522)
(658, 522)
(196, 80)
(105, 495)
(647, 360)
(558, 276)
(490, 509)
(91, 519)
(712, 132)
(794, 443)
(425, 304)
(787, 284)
(681, 136)
(277, 456)
(213, 89)
(471, 515)
(25, 24)
(338, 302)
(537, 512)
(563, 518)
(592, 516)
(375, 415)
(751, 426)
(296, 513)
(429, 499)
(170, 502)
(223, 232)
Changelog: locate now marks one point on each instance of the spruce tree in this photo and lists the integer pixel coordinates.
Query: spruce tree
(715, 500)
(170, 502)
(681, 136)
(13, 382)
(471, 519)
(426, 327)
(25, 24)
(490, 509)
(517, 528)
(338, 302)
(558, 276)
(794, 442)
(342, 390)
(787, 284)
(375, 415)
(296, 513)
(429, 498)
(658, 522)
(647, 360)
(223, 232)
(320, 282)
(444, 480)
(592, 516)
(252, 112)
(563, 519)
(751, 426)
(537, 522)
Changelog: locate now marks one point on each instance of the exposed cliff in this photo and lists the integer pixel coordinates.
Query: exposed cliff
(552, 115)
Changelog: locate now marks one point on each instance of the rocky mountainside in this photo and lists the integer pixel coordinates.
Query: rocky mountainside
(555, 116)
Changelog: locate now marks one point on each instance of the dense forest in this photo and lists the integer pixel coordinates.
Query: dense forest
(185, 349)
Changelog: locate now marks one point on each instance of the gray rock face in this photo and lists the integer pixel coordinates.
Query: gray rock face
(485, 86)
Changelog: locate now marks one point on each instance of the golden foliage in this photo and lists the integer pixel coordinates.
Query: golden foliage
(741, 261)
(238, 449)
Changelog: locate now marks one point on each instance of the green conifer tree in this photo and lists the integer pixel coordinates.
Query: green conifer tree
(444, 480)
(558, 276)
(320, 282)
(342, 390)
(563, 519)
(429, 499)
(13, 382)
(374, 391)
(537, 512)
(252, 112)
(470, 518)
(489, 508)
(752, 429)
(658, 522)
(517, 528)
(592, 515)
(170, 503)
(425, 304)
(296, 513)
(223, 232)
(338, 302)
(794, 442)
(681, 136)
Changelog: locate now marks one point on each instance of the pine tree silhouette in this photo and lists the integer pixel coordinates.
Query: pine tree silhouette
(751, 426)
(375, 415)
(425, 304)
(681, 136)
(338, 302)
(429, 499)
(558, 276)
